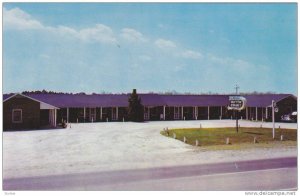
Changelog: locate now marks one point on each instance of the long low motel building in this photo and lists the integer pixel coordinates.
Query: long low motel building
(34, 111)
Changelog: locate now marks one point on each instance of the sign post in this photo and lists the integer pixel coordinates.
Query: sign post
(237, 103)
(237, 121)
(273, 116)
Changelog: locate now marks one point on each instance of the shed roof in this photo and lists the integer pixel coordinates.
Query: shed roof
(121, 100)
(43, 105)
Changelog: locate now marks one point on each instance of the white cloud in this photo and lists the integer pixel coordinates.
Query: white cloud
(18, 19)
(133, 35)
(99, 33)
(165, 44)
(190, 54)
(64, 31)
(239, 65)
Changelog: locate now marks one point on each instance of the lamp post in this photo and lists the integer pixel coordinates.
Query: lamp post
(236, 111)
(273, 117)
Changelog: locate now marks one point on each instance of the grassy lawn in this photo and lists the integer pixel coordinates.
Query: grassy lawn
(213, 137)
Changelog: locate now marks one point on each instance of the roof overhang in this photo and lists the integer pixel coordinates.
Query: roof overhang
(43, 105)
(293, 96)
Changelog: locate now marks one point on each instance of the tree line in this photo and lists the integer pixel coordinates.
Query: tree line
(151, 92)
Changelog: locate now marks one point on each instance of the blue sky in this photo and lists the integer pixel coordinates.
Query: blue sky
(157, 47)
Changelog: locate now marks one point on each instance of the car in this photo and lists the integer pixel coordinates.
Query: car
(292, 117)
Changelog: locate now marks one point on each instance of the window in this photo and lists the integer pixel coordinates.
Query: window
(17, 116)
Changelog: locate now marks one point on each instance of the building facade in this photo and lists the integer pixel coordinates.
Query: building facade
(34, 111)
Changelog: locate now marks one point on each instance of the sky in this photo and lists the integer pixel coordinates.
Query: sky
(152, 47)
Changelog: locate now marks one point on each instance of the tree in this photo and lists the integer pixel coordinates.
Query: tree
(135, 111)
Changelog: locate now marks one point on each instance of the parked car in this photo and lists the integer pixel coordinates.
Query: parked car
(292, 117)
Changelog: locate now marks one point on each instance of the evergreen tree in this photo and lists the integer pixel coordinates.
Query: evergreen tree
(135, 111)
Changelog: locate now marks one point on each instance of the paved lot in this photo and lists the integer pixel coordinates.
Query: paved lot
(94, 147)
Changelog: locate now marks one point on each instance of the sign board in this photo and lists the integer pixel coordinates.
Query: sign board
(276, 109)
(237, 103)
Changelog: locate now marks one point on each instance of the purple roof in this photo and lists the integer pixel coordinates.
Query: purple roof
(5, 96)
(121, 100)
(195, 100)
(152, 100)
(264, 100)
(61, 100)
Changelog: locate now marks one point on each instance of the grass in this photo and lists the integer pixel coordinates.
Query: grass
(215, 138)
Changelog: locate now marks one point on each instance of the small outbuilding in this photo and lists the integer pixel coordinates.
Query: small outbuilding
(21, 112)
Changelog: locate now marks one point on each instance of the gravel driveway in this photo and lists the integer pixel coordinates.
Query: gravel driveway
(116, 146)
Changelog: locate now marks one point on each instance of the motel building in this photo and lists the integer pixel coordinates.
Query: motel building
(38, 111)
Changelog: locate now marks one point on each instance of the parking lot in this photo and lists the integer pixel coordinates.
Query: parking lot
(93, 147)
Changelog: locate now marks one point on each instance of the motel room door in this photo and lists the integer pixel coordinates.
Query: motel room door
(177, 113)
(114, 114)
(92, 114)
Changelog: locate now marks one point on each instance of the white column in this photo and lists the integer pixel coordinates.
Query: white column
(182, 112)
(55, 117)
(117, 113)
(101, 113)
(246, 113)
(262, 114)
(67, 115)
(221, 112)
(266, 112)
(83, 114)
(207, 112)
(256, 114)
(50, 117)
(95, 114)
(164, 113)
(174, 113)
(195, 113)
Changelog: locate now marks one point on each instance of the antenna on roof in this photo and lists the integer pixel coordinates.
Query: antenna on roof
(236, 89)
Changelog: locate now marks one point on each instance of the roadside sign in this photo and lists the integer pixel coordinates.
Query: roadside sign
(236, 103)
